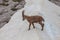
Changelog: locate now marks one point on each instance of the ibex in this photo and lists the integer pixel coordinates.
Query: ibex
(33, 19)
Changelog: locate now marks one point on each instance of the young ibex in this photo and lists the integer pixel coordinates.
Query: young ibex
(33, 19)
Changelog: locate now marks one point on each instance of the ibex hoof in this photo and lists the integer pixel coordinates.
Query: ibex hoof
(28, 29)
(34, 27)
(41, 29)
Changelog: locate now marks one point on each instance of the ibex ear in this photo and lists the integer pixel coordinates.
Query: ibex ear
(23, 14)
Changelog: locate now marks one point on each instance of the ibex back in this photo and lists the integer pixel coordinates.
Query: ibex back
(33, 19)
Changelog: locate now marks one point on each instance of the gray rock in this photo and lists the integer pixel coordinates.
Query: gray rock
(2, 24)
(11, 12)
(6, 12)
(57, 2)
(20, 5)
(3, 11)
(5, 18)
(1, 1)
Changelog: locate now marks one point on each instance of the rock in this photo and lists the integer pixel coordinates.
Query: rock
(6, 12)
(57, 2)
(5, 18)
(22, 3)
(11, 12)
(2, 24)
(1, 1)
(19, 6)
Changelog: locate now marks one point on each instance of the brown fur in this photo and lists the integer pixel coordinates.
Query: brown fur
(33, 19)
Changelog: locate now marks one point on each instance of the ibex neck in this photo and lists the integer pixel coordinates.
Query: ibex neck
(26, 16)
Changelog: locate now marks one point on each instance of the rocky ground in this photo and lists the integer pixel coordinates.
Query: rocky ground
(57, 2)
(9, 7)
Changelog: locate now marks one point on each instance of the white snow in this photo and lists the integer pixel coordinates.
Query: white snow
(17, 29)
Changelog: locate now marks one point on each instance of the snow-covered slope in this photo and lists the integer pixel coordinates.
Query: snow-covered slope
(52, 16)
(17, 29)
